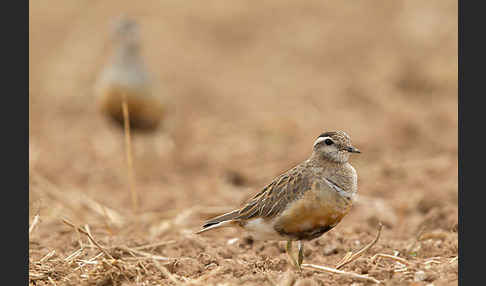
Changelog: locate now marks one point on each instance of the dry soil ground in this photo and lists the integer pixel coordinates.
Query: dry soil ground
(248, 85)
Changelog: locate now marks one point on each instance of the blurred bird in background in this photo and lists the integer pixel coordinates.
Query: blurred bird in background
(125, 77)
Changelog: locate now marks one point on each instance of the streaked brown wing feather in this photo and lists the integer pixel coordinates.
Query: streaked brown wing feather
(277, 195)
(224, 217)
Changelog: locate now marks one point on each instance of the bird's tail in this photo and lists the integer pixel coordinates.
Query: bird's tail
(219, 221)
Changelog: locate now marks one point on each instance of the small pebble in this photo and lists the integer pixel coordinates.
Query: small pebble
(420, 276)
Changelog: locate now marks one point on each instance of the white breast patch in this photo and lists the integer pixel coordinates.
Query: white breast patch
(339, 189)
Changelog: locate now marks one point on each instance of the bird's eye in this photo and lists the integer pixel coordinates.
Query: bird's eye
(328, 142)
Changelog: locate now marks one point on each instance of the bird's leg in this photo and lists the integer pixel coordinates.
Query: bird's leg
(289, 253)
(301, 253)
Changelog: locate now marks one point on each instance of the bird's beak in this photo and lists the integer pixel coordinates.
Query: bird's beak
(351, 149)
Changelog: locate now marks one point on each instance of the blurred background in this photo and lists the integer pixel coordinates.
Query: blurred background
(247, 87)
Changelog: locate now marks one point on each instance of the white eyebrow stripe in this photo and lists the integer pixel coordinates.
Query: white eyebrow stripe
(338, 189)
(320, 139)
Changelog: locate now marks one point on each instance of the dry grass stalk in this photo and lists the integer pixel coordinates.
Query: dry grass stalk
(36, 276)
(401, 268)
(346, 257)
(142, 253)
(47, 256)
(51, 280)
(396, 258)
(416, 240)
(442, 235)
(34, 223)
(134, 252)
(89, 261)
(80, 241)
(89, 236)
(107, 225)
(153, 245)
(340, 272)
(350, 258)
(86, 227)
(166, 272)
(73, 255)
(128, 150)
(435, 260)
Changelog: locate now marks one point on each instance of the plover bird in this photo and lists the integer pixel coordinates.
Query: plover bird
(303, 203)
(127, 77)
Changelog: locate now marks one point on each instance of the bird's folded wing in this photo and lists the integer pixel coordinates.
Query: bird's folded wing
(276, 196)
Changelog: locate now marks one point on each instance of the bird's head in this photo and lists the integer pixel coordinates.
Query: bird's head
(126, 34)
(334, 146)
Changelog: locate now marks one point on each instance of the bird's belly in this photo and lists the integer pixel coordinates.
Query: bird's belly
(144, 109)
(312, 215)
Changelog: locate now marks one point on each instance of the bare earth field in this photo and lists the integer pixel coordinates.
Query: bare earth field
(248, 86)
